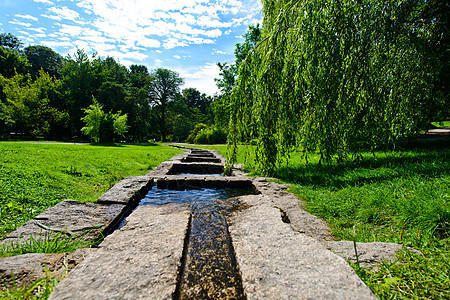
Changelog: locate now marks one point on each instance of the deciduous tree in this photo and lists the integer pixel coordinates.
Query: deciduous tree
(163, 89)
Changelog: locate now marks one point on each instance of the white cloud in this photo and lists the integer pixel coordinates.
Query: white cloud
(140, 31)
(15, 22)
(127, 63)
(172, 43)
(207, 21)
(155, 23)
(38, 30)
(146, 42)
(201, 78)
(71, 30)
(103, 47)
(29, 17)
(63, 13)
(44, 1)
(86, 5)
(56, 18)
(119, 55)
(216, 52)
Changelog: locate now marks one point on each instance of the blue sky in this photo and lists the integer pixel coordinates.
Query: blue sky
(187, 36)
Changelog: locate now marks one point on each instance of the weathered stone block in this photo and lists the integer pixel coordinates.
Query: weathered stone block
(69, 217)
(139, 261)
(127, 190)
(24, 270)
(278, 263)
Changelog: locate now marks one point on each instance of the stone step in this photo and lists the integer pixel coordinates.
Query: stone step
(201, 159)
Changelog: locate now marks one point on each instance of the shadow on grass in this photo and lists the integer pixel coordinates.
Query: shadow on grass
(384, 166)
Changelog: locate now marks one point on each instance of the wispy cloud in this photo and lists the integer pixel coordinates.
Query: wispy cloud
(63, 13)
(163, 33)
(38, 30)
(15, 22)
(217, 52)
(29, 17)
(146, 23)
(44, 1)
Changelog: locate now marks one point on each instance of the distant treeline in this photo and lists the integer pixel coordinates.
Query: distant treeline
(44, 95)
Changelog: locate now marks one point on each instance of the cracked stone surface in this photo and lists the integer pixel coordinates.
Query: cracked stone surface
(300, 220)
(139, 261)
(278, 263)
(28, 268)
(68, 216)
(127, 190)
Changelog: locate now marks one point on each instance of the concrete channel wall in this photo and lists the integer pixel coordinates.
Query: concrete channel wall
(280, 249)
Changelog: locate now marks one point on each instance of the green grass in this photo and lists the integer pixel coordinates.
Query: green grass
(34, 177)
(400, 197)
(58, 243)
(441, 124)
(396, 196)
(39, 290)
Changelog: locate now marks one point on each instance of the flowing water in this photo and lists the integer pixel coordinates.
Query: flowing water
(209, 269)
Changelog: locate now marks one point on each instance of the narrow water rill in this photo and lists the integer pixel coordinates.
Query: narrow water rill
(208, 268)
(176, 243)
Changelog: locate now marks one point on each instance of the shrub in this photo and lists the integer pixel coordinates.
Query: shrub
(202, 134)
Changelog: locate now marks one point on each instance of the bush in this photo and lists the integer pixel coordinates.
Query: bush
(202, 134)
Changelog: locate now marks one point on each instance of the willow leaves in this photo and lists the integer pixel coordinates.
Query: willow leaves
(335, 77)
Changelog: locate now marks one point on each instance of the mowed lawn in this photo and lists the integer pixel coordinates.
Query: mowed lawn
(394, 196)
(35, 176)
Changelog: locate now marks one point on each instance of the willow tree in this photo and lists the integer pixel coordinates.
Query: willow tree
(335, 77)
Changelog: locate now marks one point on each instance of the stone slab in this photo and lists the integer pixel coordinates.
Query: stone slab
(299, 219)
(127, 190)
(24, 270)
(139, 261)
(69, 216)
(279, 263)
(202, 159)
(195, 168)
(163, 169)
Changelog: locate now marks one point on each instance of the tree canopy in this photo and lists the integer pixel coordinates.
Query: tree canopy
(43, 95)
(164, 87)
(340, 76)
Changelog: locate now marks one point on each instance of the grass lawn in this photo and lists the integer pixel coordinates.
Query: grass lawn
(395, 196)
(441, 124)
(34, 176)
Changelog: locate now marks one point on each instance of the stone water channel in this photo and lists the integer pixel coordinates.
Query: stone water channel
(190, 233)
